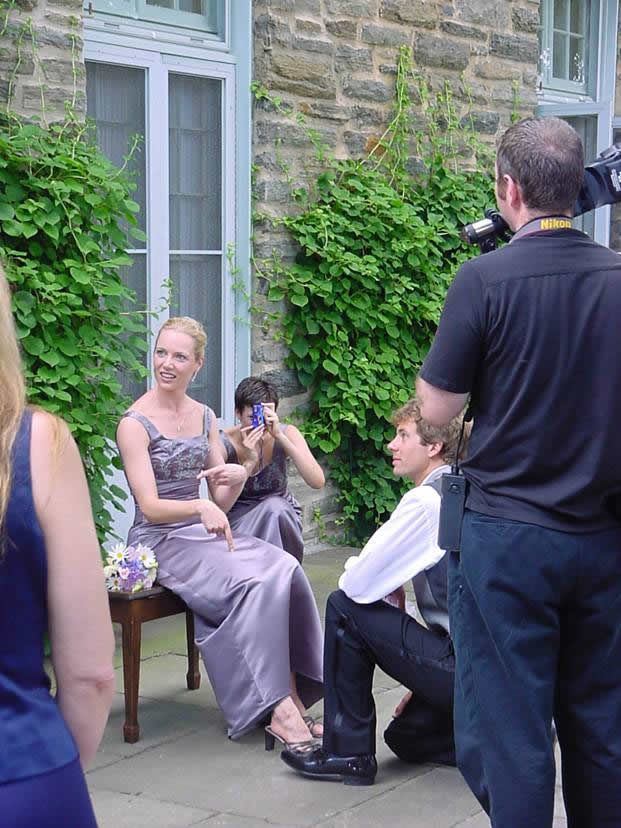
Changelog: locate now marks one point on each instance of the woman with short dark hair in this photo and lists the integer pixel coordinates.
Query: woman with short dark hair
(266, 508)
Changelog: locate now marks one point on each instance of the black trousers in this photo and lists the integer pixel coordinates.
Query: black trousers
(536, 622)
(359, 636)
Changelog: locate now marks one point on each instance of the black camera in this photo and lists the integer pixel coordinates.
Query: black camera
(601, 185)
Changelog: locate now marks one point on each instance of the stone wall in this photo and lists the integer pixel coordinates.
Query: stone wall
(335, 62)
(41, 66)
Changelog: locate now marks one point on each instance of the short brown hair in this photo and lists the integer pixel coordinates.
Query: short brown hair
(447, 434)
(545, 157)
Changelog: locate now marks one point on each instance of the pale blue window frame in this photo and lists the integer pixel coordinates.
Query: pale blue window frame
(558, 32)
(598, 104)
(212, 23)
(142, 45)
(124, 43)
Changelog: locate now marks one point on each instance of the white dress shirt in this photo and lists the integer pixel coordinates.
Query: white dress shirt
(401, 548)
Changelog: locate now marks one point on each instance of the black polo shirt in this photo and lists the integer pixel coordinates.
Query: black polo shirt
(533, 332)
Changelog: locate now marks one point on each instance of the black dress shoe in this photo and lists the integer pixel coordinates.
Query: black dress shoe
(351, 770)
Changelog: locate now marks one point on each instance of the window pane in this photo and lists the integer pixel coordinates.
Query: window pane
(195, 141)
(560, 58)
(561, 14)
(115, 101)
(203, 15)
(135, 277)
(576, 23)
(197, 292)
(194, 6)
(587, 130)
(615, 213)
(576, 59)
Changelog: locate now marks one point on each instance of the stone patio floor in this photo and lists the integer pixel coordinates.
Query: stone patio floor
(185, 772)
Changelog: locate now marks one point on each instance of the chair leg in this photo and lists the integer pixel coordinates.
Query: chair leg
(131, 677)
(193, 677)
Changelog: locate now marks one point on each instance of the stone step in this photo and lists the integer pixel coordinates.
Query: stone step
(323, 532)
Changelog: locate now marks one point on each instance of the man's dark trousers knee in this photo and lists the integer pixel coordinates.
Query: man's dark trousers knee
(359, 636)
(535, 618)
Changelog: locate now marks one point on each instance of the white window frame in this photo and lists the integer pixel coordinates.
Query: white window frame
(157, 66)
(600, 103)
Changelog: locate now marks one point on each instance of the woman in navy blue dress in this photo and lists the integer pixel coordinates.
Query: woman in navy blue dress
(51, 581)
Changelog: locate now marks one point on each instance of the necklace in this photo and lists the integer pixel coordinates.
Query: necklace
(180, 423)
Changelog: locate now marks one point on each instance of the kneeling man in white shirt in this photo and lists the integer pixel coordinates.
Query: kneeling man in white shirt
(362, 629)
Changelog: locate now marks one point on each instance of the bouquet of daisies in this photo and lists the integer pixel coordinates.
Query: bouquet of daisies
(130, 568)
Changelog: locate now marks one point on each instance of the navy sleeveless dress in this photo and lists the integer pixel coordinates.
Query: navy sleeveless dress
(41, 780)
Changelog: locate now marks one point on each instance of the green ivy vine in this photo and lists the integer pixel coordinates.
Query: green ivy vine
(65, 218)
(379, 245)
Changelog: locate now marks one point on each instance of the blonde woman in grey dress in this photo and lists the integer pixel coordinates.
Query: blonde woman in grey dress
(257, 624)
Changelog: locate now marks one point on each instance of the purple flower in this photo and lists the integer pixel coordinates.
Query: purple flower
(132, 553)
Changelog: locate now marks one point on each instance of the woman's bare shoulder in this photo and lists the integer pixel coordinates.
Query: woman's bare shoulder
(142, 404)
(48, 430)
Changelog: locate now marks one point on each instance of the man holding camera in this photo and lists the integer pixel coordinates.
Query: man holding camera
(363, 630)
(530, 333)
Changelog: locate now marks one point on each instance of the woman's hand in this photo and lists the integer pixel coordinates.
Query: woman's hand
(224, 474)
(251, 437)
(272, 420)
(215, 521)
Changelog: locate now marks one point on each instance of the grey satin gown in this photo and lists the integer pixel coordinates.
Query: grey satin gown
(255, 614)
(266, 509)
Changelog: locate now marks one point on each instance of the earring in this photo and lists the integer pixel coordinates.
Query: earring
(195, 375)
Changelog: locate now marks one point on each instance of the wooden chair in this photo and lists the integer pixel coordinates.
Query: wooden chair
(131, 610)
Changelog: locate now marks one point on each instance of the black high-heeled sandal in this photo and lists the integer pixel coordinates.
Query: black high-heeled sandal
(271, 736)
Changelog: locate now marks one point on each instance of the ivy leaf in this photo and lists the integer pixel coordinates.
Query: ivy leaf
(330, 366)
(6, 211)
(14, 192)
(32, 344)
(23, 300)
(51, 357)
(299, 346)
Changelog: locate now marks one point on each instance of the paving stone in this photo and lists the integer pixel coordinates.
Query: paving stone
(185, 772)
(438, 797)
(114, 810)
(212, 773)
(160, 723)
(237, 821)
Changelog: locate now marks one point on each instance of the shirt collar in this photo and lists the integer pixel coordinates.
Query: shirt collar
(435, 474)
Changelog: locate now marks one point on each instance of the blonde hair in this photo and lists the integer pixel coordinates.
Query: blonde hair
(189, 326)
(13, 396)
